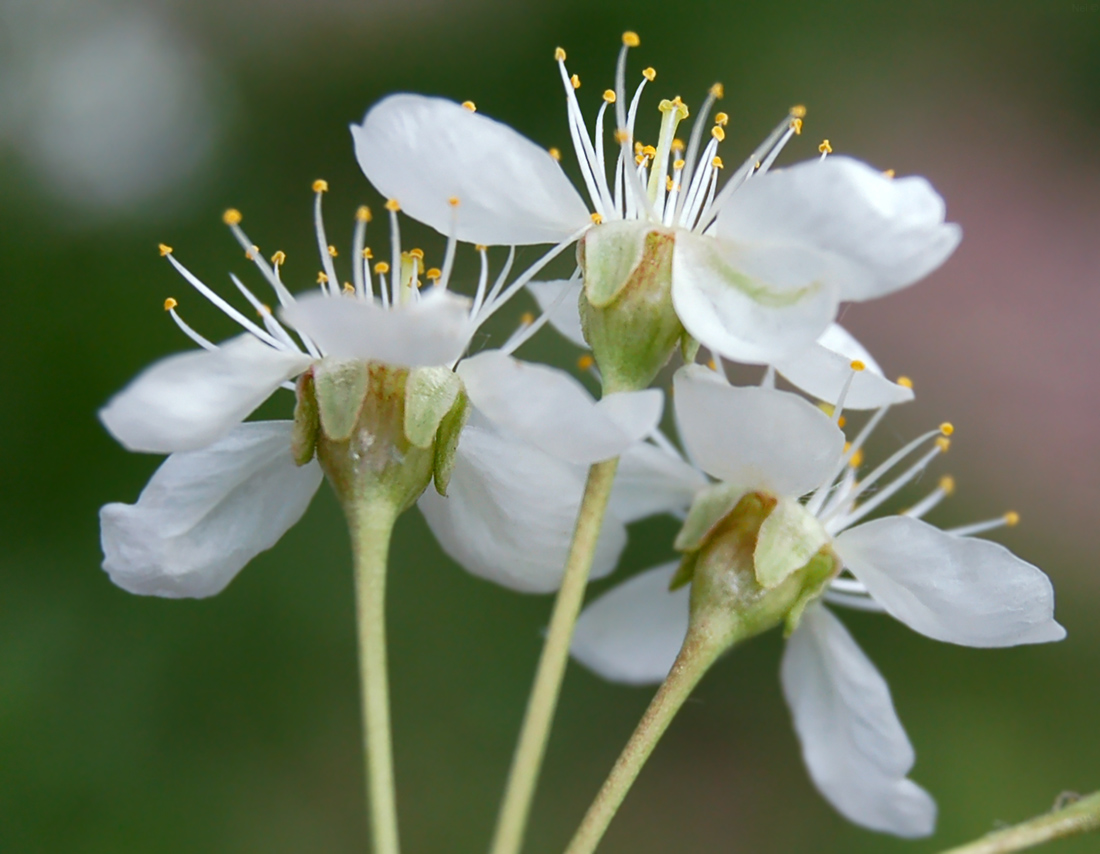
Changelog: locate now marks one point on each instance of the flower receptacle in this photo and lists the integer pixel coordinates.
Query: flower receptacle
(626, 303)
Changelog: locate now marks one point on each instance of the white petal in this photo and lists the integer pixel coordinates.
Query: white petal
(205, 514)
(754, 437)
(423, 152)
(553, 411)
(823, 369)
(633, 632)
(187, 401)
(562, 307)
(651, 481)
(852, 741)
(750, 303)
(875, 234)
(510, 511)
(957, 589)
(433, 330)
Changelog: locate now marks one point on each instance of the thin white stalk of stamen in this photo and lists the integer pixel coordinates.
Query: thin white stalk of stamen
(694, 140)
(712, 188)
(221, 303)
(819, 496)
(482, 282)
(841, 494)
(926, 504)
(674, 196)
(768, 380)
(623, 201)
(582, 145)
(269, 273)
(891, 461)
(384, 289)
(187, 330)
(363, 262)
(626, 124)
(270, 323)
(449, 252)
(498, 285)
(841, 522)
(358, 241)
(856, 603)
(395, 258)
(851, 586)
(979, 527)
(838, 407)
(323, 244)
(697, 189)
(767, 162)
(601, 160)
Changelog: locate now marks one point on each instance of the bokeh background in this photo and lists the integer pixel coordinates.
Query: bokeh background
(230, 725)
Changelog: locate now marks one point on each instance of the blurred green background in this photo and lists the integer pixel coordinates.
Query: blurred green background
(231, 724)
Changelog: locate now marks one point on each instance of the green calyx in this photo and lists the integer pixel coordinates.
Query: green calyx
(380, 432)
(753, 564)
(626, 303)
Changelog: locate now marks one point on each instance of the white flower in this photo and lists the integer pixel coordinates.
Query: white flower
(944, 584)
(230, 489)
(761, 260)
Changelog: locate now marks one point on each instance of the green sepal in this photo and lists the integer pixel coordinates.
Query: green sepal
(689, 348)
(788, 539)
(341, 388)
(430, 393)
(303, 436)
(446, 441)
(817, 573)
(710, 507)
(685, 572)
(612, 253)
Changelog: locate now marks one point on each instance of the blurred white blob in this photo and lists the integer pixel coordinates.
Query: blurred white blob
(109, 108)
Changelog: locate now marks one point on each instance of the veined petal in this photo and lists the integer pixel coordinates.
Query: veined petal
(187, 401)
(433, 330)
(562, 307)
(651, 481)
(424, 152)
(510, 511)
(755, 437)
(875, 234)
(852, 741)
(957, 589)
(824, 368)
(750, 303)
(633, 632)
(205, 514)
(553, 411)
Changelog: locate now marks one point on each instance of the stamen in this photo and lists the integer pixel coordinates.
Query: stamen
(270, 323)
(452, 245)
(887, 493)
(170, 307)
(582, 144)
(945, 488)
(482, 281)
(1008, 520)
(320, 188)
(362, 217)
(825, 149)
(814, 505)
(395, 250)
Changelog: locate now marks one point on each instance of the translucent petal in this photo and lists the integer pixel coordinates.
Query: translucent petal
(562, 307)
(187, 401)
(962, 590)
(205, 514)
(852, 741)
(651, 481)
(424, 152)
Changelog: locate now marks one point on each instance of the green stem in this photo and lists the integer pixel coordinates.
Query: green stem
(527, 761)
(371, 525)
(1079, 817)
(695, 658)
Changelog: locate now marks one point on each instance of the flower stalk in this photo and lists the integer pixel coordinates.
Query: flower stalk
(542, 703)
(1082, 816)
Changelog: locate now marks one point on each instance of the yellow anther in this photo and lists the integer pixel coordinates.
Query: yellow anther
(796, 126)
(722, 119)
(392, 205)
(597, 218)
(650, 73)
(555, 153)
(367, 253)
(857, 459)
(798, 111)
(669, 184)
(363, 214)
(943, 444)
(559, 54)
(381, 268)
(470, 105)
(947, 428)
(332, 252)
(453, 201)
(677, 145)
(417, 253)
(321, 278)
(905, 382)
(857, 365)
(480, 247)
(527, 318)
(718, 133)
(638, 147)
(609, 95)
(251, 252)
(320, 186)
(164, 249)
(170, 304)
(841, 421)
(678, 165)
(433, 274)
(585, 363)
(947, 485)
(622, 135)
(649, 151)
(231, 216)
(889, 173)
(825, 147)
(279, 258)
(639, 159)
(713, 365)
(630, 39)
(1012, 518)
(349, 288)
(575, 80)
(717, 163)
